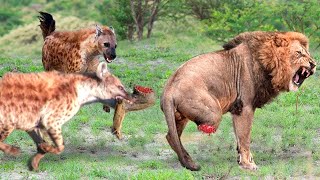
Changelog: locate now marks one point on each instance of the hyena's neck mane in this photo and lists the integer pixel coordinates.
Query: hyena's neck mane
(83, 40)
(88, 45)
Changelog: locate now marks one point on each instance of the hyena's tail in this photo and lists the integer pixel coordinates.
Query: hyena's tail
(47, 24)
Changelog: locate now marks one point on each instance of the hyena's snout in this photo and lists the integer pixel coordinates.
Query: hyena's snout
(123, 94)
(110, 54)
(113, 54)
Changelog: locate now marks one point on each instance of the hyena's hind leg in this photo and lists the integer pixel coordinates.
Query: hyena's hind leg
(56, 137)
(6, 148)
(34, 160)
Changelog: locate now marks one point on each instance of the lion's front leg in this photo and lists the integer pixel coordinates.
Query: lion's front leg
(242, 127)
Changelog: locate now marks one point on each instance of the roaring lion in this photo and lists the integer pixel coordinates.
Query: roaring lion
(251, 70)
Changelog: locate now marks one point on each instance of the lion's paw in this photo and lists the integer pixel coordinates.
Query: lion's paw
(249, 166)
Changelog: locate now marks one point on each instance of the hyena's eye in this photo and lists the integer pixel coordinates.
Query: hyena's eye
(115, 46)
(121, 88)
(106, 44)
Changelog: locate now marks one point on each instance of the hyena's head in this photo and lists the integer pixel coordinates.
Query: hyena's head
(110, 86)
(107, 43)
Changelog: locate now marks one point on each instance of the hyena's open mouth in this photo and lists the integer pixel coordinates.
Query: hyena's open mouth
(108, 58)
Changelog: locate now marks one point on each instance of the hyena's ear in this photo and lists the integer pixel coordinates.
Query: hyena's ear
(112, 29)
(102, 70)
(98, 31)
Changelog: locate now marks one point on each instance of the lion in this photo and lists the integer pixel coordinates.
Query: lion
(251, 70)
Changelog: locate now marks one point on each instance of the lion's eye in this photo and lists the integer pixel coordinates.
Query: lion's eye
(106, 44)
(298, 53)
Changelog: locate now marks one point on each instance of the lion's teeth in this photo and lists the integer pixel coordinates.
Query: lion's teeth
(303, 70)
(296, 78)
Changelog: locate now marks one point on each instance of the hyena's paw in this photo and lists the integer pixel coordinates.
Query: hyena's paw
(51, 149)
(12, 150)
(46, 147)
(34, 162)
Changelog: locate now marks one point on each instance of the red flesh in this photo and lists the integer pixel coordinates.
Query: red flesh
(142, 89)
(207, 128)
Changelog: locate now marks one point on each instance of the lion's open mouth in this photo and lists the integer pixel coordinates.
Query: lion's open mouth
(302, 74)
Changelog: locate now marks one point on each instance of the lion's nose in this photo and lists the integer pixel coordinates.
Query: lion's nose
(312, 65)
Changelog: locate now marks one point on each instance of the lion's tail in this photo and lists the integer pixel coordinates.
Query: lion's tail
(168, 109)
(47, 24)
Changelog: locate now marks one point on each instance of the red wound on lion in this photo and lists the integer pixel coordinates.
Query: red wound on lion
(142, 89)
(207, 128)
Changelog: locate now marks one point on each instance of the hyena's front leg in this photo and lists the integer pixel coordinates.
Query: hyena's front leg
(6, 148)
(37, 137)
(242, 125)
(55, 135)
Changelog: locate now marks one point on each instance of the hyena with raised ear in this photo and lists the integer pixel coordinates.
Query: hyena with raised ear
(43, 102)
(75, 51)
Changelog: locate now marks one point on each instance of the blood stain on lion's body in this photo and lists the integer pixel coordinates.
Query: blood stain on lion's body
(251, 70)
(40, 103)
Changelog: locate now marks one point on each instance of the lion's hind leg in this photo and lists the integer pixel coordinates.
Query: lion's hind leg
(206, 113)
(176, 126)
(6, 148)
(181, 123)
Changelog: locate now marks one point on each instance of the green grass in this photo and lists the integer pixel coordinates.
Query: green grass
(285, 140)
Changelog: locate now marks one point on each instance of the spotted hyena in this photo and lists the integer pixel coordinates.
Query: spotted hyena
(78, 51)
(40, 103)
(75, 51)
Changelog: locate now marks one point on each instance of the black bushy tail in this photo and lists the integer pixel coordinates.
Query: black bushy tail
(47, 24)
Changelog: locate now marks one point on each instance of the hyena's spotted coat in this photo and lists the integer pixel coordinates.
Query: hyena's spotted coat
(78, 51)
(45, 101)
(75, 51)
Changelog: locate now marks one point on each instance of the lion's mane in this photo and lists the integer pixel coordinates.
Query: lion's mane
(271, 50)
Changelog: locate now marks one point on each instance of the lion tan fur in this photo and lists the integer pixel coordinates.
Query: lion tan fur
(252, 69)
